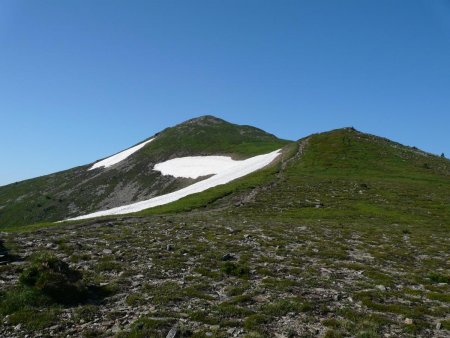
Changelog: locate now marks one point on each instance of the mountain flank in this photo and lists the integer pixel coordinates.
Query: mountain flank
(79, 191)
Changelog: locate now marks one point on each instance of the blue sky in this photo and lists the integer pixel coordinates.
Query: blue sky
(80, 80)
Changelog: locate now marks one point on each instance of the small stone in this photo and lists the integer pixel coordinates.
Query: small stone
(381, 287)
(231, 331)
(107, 251)
(408, 321)
(108, 323)
(172, 333)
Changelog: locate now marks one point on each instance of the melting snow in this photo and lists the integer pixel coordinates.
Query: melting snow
(224, 168)
(196, 166)
(107, 162)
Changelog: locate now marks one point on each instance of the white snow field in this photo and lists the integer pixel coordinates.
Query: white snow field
(196, 166)
(107, 162)
(231, 171)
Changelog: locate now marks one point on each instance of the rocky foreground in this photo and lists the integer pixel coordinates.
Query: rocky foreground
(223, 274)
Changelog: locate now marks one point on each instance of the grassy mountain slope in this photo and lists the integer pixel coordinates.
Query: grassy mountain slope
(79, 191)
(348, 175)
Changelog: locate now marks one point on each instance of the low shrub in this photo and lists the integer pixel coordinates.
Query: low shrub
(55, 279)
(235, 269)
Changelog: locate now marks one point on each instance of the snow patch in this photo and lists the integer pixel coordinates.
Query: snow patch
(196, 166)
(107, 162)
(233, 170)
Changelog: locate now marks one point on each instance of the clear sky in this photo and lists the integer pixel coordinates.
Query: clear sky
(80, 80)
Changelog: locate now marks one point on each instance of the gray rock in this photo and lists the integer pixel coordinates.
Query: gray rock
(231, 331)
(381, 287)
(172, 333)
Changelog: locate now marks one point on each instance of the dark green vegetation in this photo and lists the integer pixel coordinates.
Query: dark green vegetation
(348, 235)
(55, 279)
(46, 285)
(79, 191)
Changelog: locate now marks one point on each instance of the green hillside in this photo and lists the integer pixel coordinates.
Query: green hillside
(348, 176)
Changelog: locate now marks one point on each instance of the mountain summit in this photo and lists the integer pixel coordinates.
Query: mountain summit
(128, 176)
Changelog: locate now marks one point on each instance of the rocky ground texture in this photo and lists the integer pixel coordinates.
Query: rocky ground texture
(230, 274)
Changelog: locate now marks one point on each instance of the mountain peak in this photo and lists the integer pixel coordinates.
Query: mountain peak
(204, 120)
(128, 176)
